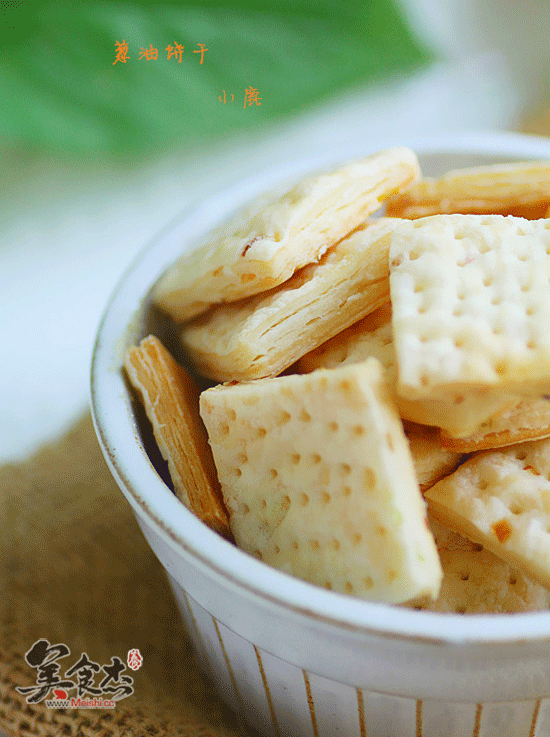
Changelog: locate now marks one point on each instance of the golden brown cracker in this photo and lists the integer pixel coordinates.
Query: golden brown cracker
(171, 400)
(432, 462)
(521, 189)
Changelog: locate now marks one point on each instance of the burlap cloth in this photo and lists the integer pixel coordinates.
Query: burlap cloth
(75, 569)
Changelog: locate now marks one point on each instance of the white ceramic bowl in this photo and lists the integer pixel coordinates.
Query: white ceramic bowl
(295, 659)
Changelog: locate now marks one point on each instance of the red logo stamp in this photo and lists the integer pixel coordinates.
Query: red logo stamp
(134, 659)
(97, 686)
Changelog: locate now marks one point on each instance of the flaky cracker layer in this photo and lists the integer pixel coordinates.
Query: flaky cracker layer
(171, 401)
(521, 189)
(264, 244)
(265, 334)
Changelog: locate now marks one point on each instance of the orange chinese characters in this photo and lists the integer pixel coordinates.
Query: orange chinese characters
(149, 53)
(201, 51)
(224, 98)
(121, 52)
(251, 97)
(175, 50)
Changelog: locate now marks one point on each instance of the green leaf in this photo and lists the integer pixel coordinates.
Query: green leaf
(63, 89)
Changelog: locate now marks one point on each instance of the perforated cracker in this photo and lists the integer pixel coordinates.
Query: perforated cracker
(471, 304)
(171, 401)
(263, 245)
(521, 189)
(477, 582)
(459, 413)
(527, 420)
(265, 334)
(319, 482)
(501, 499)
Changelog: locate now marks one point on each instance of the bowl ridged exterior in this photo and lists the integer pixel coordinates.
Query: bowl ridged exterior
(278, 698)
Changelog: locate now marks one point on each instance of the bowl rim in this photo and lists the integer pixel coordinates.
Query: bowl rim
(158, 507)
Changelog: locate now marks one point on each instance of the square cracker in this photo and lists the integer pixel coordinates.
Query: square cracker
(263, 335)
(471, 304)
(501, 499)
(527, 420)
(170, 398)
(458, 413)
(265, 243)
(319, 482)
(521, 189)
(477, 582)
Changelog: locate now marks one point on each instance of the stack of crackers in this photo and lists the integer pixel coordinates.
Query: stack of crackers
(379, 419)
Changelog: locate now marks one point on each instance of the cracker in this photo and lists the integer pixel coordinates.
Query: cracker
(371, 336)
(458, 413)
(319, 482)
(171, 401)
(521, 189)
(471, 304)
(501, 499)
(477, 582)
(265, 334)
(527, 420)
(431, 461)
(265, 243)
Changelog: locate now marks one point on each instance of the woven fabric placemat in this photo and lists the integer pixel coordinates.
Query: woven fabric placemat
(76, 569)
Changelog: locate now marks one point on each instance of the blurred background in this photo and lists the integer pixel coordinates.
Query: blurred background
(114, 115)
